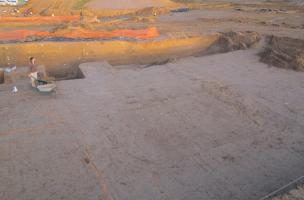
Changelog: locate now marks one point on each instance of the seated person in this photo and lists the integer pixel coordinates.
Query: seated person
(37, 73)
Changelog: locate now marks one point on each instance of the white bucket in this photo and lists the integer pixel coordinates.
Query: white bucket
(46, 88)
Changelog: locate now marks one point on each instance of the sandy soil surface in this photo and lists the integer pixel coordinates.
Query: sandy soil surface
(206, 21)
(159, 123)
(128, 4)
(218, 127)
(296, 194)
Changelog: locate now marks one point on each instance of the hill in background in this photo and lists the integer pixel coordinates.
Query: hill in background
(68, 7)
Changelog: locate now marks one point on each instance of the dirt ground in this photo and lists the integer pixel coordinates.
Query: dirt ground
(79, 33)
(296, 194)
(216, 127)
(160, 118)
(128, 4)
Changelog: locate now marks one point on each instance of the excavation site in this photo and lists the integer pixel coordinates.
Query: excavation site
(152, 99)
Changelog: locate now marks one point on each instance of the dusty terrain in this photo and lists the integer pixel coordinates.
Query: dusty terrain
(128, 4)
(176, 101)
(284, 52)
(296, 194)
(215, 127)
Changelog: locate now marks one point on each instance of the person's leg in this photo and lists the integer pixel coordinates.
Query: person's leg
(33, 77)
(14, 81)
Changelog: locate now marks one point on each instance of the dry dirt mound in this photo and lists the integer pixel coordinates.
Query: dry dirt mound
(284, 52)
(232, 41)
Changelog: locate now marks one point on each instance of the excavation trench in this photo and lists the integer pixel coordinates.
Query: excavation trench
(76, 34)
(61, 59)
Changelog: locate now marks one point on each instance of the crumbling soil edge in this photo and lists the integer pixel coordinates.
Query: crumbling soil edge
(285, 189)
(283, 52)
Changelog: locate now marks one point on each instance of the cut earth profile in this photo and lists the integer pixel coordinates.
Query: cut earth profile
(80, 33)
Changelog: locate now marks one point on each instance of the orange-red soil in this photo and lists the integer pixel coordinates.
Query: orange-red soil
(81, 33)
(39, 20)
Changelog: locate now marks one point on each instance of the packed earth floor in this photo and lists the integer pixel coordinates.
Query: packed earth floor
(212, 127)
(188, 111)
